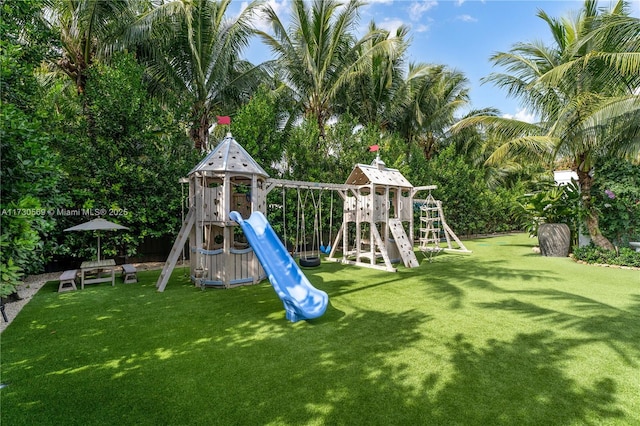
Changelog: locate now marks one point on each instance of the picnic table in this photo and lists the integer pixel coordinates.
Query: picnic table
(97, 271)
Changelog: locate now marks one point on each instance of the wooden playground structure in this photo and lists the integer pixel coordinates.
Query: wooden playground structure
(377, 226)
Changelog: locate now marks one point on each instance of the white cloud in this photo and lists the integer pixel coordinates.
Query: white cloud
(391, 24)
(461, 2)
(422, 28)
(466, 18)
(418, 8)
(522, 115)
(281, 8)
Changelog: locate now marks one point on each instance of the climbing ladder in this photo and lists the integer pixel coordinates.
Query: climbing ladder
(404, 246)
(176, 249)
(432, 225)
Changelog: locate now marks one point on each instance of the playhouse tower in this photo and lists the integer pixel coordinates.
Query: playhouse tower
(377, 218)
(227, 179)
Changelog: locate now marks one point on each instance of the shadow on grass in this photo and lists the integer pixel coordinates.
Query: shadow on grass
(448, 278)
(129, 355)
(617, 328)
(518, 382)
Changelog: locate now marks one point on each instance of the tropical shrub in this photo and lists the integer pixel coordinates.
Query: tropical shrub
(30, 174)
(616, 193)
(470, 205)
(551, 203)
(593, 254)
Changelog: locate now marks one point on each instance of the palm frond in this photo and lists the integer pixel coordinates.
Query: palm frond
(535, 149)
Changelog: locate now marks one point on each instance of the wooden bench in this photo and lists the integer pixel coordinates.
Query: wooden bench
(68, 280)
(130, 274)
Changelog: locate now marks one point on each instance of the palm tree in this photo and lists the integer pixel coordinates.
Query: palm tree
(373, 95)
(192, 53)
(419, 102)
(426, 104)
(583, 88)
(318, 56)
(88, 29)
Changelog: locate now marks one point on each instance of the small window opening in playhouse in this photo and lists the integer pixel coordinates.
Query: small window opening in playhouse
(406, 193)
(241, 195)
(365, 233)
(365, 191)
(215, 237)
(214, 182)
(392, 204)
(351, 235)
(239, 239)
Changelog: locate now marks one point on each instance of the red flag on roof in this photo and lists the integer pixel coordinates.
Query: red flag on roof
(373, 148)
(225, 119)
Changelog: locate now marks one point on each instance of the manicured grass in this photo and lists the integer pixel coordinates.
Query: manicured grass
(499, 337)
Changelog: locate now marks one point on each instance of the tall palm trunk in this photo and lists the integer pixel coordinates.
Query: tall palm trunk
(199, 132)
(585, 182)
(77, 70)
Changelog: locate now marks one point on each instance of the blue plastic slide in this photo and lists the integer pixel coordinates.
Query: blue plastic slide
(301, 299)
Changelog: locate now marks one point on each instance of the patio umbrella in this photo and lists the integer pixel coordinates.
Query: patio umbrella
(98, 224)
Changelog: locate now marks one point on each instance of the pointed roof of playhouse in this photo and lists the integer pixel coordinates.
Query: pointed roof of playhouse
(378, 174)
(229, 156)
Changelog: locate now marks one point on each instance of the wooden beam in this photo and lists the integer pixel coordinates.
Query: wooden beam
(365, 265)
(299, 184)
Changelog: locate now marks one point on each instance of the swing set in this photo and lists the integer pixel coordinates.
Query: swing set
(306, 199)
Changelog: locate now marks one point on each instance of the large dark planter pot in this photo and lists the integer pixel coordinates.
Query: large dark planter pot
(554, 239)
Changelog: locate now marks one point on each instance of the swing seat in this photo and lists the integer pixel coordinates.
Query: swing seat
(310, 262)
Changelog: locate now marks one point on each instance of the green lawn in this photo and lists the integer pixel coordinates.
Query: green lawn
(499, 337)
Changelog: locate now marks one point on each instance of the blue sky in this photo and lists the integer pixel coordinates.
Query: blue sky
(461, 34)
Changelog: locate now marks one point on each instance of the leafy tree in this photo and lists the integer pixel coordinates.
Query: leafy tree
(29, 171)
(88, 30)
(374, 96)
(258, 126)
(132, 168)
(30, 178)
(26, 42)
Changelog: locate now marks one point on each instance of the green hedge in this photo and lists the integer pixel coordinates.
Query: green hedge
(592, 254)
